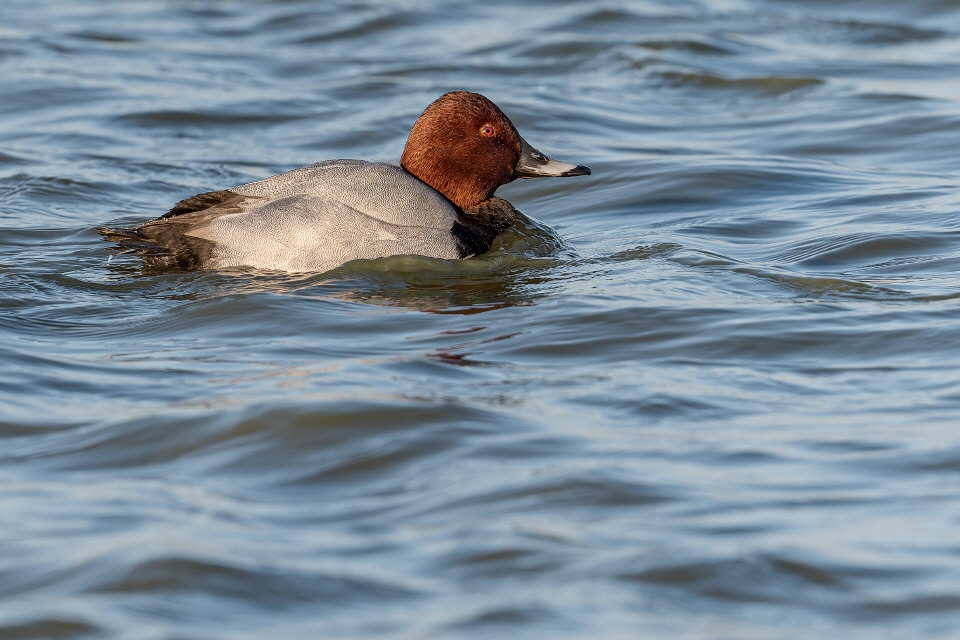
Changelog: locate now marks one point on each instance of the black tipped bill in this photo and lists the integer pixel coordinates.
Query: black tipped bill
(533, 164)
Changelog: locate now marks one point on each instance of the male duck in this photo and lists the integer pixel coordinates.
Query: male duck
(439, 202)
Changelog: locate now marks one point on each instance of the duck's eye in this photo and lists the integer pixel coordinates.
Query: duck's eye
(487, 130)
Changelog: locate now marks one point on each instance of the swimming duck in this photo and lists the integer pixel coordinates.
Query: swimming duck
(438, 202)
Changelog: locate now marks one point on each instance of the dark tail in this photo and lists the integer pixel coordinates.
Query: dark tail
(153, 253)
(164, 242)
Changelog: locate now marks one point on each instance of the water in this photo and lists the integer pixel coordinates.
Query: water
(724, 407)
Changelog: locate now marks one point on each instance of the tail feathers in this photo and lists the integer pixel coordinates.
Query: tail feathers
(128, 238)
(165, 242)
(174, 251)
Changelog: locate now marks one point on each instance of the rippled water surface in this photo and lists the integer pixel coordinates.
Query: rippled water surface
(724, 407)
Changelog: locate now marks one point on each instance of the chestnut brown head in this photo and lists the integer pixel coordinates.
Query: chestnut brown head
(465, 147)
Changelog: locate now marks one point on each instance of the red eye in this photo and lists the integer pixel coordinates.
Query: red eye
(487, 130)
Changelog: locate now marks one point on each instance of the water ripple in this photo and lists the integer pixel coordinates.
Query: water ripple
(712, 394)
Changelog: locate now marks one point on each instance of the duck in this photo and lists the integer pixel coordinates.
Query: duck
(438, 202)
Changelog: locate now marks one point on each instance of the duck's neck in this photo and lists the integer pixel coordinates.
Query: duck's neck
(446, 176)
(476, 228)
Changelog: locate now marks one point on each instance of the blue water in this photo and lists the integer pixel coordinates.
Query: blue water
(725, 406)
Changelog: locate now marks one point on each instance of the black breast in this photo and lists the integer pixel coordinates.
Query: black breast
(475, 229)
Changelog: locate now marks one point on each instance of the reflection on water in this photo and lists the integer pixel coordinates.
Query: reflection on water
(463, 294)
(715, 398)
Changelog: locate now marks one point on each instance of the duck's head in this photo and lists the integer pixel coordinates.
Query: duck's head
(465, 147)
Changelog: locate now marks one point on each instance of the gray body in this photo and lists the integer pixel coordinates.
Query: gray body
(318, 217)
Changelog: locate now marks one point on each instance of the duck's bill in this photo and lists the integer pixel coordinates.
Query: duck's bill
(533, 164)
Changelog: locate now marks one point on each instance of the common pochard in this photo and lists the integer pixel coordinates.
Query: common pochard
(439, 202)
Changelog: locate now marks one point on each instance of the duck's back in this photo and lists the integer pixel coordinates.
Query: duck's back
(314, 218)
(382, 191)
